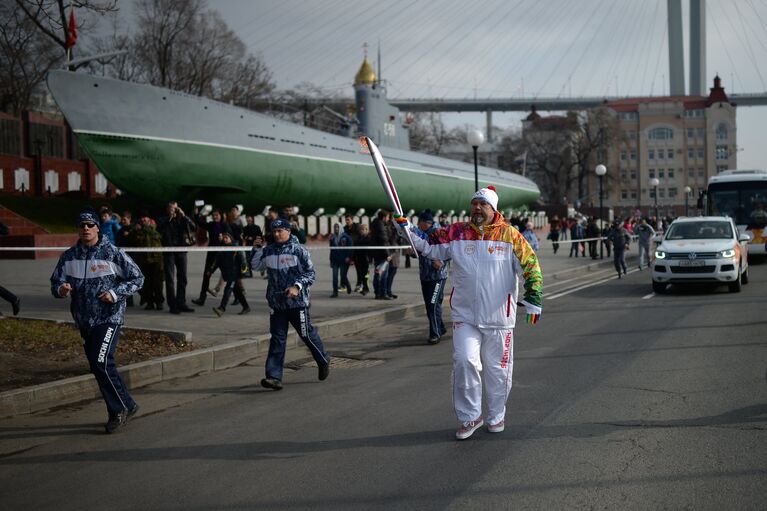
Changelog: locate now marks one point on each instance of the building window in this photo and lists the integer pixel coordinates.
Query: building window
(690, 132)
(623, 155)
(690, 154)
(633, 194)
(660, 134)
(721, 152)
(21, 180)
(631, 135)
(651, 172)
(101, 183)
(721, 168)
(700, 153)
(701, 173)
(721, 132)
(624, 194)
(633, 174)
(51, 181)
(73, 182)
(633, 154)
(662, 193)
(691, 173)
(651, 154)
(702, 133)
(661, 174)
(624, 175)
(671, 173)
(670, 154)
(672, 192)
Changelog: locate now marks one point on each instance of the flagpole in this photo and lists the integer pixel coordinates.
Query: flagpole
(69, 48)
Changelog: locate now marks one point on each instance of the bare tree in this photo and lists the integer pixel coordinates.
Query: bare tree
(184, 46)
(597, 130)
(33, 39)
(428, 133)
(163, 24)
(50, 16)
(561, 151)
(26, 55)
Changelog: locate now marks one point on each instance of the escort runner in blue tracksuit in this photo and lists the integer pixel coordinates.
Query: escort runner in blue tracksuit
(433, 273)
(99, 277)
(291, 272)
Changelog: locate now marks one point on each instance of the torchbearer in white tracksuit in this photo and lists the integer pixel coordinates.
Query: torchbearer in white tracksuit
(488, 254)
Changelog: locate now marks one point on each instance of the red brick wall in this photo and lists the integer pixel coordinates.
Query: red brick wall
(9, 164)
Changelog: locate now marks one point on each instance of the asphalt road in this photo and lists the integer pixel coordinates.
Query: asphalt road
(622, 400)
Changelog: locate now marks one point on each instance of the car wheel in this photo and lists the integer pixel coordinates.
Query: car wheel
(735, 286)
(658, 287)
(744, 276)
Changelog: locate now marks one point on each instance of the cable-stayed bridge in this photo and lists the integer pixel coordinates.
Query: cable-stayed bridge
(525, 104)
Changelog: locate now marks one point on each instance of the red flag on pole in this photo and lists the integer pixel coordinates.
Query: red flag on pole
(72, 39)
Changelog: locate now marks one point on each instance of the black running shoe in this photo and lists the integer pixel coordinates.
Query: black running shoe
(271, 383)
(132, 412)
(116, 422)
(324, 371)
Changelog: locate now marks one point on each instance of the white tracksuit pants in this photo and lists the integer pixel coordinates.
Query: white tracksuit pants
(490, 351)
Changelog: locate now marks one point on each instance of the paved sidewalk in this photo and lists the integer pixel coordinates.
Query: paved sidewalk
(29, 279)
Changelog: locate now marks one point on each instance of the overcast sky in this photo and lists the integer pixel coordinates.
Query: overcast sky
(505, 48)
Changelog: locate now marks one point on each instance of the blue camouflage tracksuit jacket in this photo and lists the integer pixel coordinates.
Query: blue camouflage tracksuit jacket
(426, 270)
(288, 264)
(91, 271)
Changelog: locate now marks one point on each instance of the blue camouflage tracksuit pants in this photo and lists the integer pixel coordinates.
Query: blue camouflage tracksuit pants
(100, 342)
(279, 320)
(433, 294)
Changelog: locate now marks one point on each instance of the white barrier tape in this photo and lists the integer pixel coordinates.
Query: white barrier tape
(632, 236)
(195, 249)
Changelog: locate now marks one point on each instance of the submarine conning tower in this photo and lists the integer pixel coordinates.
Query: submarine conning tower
(377, 118)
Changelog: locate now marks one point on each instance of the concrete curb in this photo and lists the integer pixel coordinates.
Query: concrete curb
(224, 356)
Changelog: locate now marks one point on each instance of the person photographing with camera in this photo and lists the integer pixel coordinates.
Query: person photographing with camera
(177, 230)
(290, 272)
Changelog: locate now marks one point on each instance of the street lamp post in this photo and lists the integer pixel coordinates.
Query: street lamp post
(654, 182)
(475, 139)
(687, 191)
(601, 170)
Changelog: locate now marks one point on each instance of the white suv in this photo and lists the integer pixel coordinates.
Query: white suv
(701, 249)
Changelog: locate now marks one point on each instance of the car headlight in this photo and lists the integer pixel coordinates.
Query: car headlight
(726, 254)
(660, 254)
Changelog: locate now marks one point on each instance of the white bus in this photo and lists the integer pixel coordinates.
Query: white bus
(741, 195)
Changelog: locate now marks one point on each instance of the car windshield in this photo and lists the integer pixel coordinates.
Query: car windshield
(699, 231)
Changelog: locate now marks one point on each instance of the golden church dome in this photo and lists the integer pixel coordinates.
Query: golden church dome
(366, 75)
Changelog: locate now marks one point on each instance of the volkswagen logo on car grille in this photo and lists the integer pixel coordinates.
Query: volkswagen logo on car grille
(692, 256)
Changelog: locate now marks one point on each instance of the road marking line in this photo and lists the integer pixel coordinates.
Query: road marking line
(585, 286)
(582, 277)
(646, 297)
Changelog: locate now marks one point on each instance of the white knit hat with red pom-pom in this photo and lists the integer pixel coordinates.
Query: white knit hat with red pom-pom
(488, 195)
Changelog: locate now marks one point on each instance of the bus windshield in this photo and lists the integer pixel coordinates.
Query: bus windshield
(745, 202)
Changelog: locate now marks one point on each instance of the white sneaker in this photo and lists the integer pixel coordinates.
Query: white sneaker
(468, 429)
(497, 427)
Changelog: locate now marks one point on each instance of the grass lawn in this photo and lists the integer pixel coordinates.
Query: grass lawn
(38, 351)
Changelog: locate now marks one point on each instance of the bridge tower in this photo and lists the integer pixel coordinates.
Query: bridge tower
(675, 48)
(698, 47)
